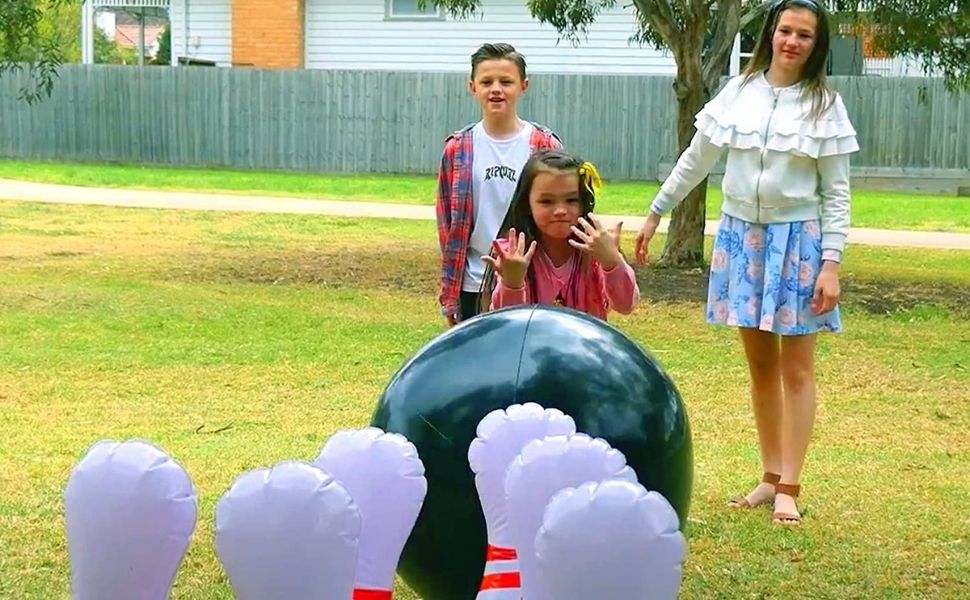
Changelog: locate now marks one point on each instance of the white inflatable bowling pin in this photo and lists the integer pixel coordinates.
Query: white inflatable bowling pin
(610, 541)
(288, 532)
(130, 511)
(384, 475)
(501, 436)
(543, 468)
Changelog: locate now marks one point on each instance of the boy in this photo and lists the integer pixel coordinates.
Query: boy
(479, 169)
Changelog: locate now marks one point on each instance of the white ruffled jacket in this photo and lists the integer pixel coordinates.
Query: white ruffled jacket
(783, 164)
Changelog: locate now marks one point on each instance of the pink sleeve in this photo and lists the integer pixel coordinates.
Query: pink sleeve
(622, 291)
(503, 296)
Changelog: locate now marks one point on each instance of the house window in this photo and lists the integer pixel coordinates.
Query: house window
(408, 9)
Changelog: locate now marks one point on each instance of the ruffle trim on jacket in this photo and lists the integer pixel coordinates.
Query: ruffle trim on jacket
(726, 123)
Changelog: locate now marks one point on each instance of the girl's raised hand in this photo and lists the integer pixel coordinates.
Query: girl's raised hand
(602, 245)
(511, 263)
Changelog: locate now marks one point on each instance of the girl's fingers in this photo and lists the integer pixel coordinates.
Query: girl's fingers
(641, 248)
(818, 302)
(512, 238)
(580, 234)
(830, 301)
(532, 250)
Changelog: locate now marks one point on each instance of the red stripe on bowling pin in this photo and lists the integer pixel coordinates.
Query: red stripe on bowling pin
(501, 580)
(500, 560)
(372, 595)
(496, 553)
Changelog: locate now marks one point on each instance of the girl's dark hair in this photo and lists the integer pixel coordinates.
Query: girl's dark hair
(815, 84)
(519, 214)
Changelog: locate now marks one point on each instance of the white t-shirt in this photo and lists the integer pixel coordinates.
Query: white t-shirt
(496, 166)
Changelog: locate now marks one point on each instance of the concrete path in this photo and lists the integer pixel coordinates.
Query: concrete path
(63, 194)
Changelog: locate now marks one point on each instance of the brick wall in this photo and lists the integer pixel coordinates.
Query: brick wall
(267, 33)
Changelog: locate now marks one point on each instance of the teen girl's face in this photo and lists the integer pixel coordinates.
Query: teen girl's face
(497, 86)
(794, 39)
(555, 203)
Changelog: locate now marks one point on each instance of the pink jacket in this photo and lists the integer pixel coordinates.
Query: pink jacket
(594, 292)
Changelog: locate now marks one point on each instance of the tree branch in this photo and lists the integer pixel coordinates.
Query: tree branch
(661, 18)
(728, 25)
(699, 15)
(755, 13)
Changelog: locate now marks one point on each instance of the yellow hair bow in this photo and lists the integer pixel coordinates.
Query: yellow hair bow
(590, 178)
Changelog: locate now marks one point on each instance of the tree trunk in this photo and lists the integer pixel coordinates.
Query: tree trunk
(685, 237)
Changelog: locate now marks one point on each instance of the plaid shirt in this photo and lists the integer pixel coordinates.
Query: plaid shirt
(455, 207)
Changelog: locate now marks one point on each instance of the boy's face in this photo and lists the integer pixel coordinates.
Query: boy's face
(497, 85)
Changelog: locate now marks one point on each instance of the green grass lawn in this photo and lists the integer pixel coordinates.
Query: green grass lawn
(277, 330)
(870, 209)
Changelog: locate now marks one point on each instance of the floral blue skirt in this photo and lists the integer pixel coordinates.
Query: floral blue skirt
(763, 276)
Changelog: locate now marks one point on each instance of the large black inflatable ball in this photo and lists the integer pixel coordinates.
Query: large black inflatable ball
(555, 357)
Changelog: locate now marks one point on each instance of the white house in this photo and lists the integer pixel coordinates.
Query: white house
(202, 30)
(392, 35)
(395, 35)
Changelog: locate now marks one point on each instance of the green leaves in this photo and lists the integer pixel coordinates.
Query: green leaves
(936, 32)
(24, 47)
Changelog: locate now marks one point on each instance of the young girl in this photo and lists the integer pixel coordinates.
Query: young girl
(557, 252)
(775, 264)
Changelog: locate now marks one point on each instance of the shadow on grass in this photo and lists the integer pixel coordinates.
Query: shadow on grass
(414, 269)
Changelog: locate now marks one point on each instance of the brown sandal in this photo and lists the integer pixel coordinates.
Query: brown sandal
(742, 501)
(783, 518)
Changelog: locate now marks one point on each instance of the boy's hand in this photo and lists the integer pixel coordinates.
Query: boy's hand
(512, 264)
(604, 246)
